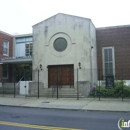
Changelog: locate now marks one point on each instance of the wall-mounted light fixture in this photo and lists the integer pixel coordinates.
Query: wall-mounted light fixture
(79, 65)
(40, 66)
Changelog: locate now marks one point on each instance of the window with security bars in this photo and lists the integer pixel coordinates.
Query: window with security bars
(6, 48)
(108, 61)
(28, 49)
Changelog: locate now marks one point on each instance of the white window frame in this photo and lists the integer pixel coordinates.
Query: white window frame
(29, 48)
(113, 57)
(7, 54)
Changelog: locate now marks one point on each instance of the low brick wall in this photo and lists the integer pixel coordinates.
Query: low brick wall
(8, 88)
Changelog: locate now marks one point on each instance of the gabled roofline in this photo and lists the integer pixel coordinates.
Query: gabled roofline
(60, 13)
(6, 33)
(111, 27)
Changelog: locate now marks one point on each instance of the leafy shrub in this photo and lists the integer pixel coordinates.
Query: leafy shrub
(117, 91)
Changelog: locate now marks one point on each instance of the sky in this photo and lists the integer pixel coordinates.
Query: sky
(18, 16)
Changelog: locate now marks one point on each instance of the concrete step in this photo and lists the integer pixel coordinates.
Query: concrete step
(63, 92)
(52, 91)
(55, 96)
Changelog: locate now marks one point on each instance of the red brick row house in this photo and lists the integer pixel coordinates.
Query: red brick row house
(15, 61)
(6, 50)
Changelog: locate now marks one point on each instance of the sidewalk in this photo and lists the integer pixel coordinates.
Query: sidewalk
(88, 104)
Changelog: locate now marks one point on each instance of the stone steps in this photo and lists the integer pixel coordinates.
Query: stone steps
(62, 92)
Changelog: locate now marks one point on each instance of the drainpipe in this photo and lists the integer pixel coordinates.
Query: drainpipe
(14, 73)
(91, 63)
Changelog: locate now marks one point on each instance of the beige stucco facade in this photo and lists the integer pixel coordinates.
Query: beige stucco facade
(80, 35)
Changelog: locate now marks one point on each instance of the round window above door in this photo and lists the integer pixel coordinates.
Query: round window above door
(60, 44)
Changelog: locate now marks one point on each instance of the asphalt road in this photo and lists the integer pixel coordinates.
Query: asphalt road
(17, 118)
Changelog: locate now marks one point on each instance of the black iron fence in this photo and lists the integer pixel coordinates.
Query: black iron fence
(112, 85)
(73, 83)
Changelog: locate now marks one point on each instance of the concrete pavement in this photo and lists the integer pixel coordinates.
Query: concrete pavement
(105, 104)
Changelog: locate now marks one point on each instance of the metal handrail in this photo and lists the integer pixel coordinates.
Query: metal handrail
(19, 81)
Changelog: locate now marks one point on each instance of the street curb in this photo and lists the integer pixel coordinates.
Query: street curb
(89, 110)
(42, 107)
(108, 111)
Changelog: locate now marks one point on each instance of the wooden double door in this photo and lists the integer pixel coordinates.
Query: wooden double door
(63, 74)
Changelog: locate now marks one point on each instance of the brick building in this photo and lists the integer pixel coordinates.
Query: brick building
(113, 51)
(59, 45)
(6, 50)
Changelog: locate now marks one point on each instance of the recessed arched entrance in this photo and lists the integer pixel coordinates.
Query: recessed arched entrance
(63, 75)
